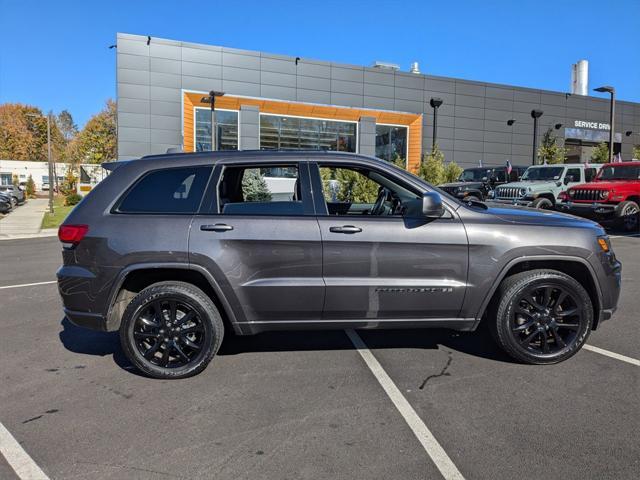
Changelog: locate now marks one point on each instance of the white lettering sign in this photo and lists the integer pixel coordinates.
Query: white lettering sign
(596, 125)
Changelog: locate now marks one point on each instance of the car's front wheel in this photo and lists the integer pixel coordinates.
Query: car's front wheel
(542, 203)
(542, 316)
(171, 330)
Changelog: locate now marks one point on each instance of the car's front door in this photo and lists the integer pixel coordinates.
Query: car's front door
(258, 236)
(379, 264)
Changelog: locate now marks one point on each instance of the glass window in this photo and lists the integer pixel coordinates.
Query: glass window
(620, 172)
(543, 173)
(226, 130)
(273, 190)
(173, 190)
(292, 133)
(354, 191)
(5, 178)
(391, 143)
(575, 173)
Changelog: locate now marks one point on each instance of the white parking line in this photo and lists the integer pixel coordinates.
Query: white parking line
(625, 236)
(28, 284)
(617, 356)
(439, 457)
(18, 458)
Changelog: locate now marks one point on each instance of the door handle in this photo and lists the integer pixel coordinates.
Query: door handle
(345, 229)
(218, 227)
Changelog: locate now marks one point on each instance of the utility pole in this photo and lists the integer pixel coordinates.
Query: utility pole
(612, 112)
(51, 179)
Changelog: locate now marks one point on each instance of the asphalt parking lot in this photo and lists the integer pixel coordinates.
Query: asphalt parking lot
(307, 405)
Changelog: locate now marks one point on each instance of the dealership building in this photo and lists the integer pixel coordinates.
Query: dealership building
(275, 101)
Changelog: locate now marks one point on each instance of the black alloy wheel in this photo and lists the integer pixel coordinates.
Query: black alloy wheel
(169, 333)
(171, 330)
(542, 316)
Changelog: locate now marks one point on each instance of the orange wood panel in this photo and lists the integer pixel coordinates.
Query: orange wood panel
(413, 121)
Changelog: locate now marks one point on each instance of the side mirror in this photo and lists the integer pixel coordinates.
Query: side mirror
(568, 179)
(432, 205)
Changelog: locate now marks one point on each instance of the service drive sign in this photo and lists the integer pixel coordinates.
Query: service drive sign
(594, 125)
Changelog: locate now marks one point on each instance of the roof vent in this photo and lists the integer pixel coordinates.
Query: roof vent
(415, 68)
(386, 65)
(580, 78)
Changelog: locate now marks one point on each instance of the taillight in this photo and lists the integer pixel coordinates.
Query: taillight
(72, 233)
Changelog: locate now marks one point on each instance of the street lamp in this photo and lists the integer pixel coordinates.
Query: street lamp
(211, 99)
(612, 110)
(48, 157)
(535, 114)
(435, 104)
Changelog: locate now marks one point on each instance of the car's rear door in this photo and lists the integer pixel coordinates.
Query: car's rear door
(386, 267)
(258, 236)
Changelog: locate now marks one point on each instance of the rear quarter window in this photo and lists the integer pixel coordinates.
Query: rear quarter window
(167, 191)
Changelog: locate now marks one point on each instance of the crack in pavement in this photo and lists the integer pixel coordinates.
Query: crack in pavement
(443, 372)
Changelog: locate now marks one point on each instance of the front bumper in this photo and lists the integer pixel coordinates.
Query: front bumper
(593, 210)
(92, 321)
(520, 202)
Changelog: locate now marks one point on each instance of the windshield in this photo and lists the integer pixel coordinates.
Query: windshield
(474, 175)
(620, 172)
(543, 173)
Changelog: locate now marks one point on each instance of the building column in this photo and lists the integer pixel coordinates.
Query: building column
(249, 127)
(367, 136)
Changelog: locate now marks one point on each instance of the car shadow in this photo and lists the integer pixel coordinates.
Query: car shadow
(479, 343)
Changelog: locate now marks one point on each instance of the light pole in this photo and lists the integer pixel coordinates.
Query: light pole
(211, 100)
(612, 111)
(535, 114)
(435, 104)
(48, 157)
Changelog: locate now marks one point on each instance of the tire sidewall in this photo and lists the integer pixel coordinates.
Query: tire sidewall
(198, 304)
(505, 313)
(538, 202)
(629, 227)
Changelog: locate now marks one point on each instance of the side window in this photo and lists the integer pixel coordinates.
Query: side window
(355, 191)
(260, 190)
(500, 175)
(170, 191)
(575, 173)
(589, 174)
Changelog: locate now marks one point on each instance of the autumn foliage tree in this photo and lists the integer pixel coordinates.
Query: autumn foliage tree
(23, 134)
(96, 142)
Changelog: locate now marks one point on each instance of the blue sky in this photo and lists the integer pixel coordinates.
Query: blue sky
(55, 54)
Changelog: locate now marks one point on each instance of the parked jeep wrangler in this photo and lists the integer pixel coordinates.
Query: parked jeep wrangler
(175, 250)
(476, 183)
(613, 196)
(541, 185)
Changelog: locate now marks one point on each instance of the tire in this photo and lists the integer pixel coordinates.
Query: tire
(629, 215)
(169, 320)
(542, 203)
(508, 326)
(14, 202)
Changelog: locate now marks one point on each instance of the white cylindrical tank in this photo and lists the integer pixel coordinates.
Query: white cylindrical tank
(580, 78)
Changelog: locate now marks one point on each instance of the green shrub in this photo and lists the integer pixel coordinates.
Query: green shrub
(30, 187)
(72, 199)
(600, 154)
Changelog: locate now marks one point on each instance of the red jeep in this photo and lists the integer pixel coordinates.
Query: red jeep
(613, 196)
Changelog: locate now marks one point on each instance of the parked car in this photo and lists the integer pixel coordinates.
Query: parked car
(541, 185)
(174, 250)
(6, 205)
(476, 183)
(612, 197)
(18, 197)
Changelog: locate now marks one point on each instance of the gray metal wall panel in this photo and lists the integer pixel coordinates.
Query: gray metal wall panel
(128, 90)
(163, 94)
(313, 83)
(500, 93)
(165, 51)
(133, 105)
(173, 109)
(407, 106)
(278, 79)
(314, 70)
(171, 137)
(201, 84)
(469, 101)
(133, 47)
(379, 103)
(342, 86)
(408, 94)
(436, 85)
(464, 134)
(138, 77)
(410, 80)
(470, 89)
(346, 99)
(279, 93)
(201, 70)
(165, 122)
(164, 65)
(385, 91)
(241, 88)
(199, 55)
(132, 149)
(313, 96)
(240, 61)
(132, 134)
(240, 74)
(165, 80)
(136, 120)
(379, 78)
(134, 62)
(348, 74)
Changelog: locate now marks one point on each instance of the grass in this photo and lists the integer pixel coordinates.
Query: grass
(60, 211)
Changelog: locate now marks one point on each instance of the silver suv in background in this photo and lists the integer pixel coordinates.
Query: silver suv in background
(17, 196)
(175, 250)
(541, 185)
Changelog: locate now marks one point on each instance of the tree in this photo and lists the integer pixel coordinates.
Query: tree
(96, 143)
(636, 152)
(254, 187)
(66, 125)
(549, 151)
(30, 187)
(600, 154)
(452, 172)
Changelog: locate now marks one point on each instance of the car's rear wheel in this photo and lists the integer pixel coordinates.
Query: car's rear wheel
(542, 203)
(629, 213)
(542, 316)
(171, 330)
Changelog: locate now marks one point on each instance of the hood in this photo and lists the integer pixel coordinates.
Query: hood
(533, 186)
(534, 216)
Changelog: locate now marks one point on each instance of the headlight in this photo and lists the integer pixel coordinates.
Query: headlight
(604, 194)
(491, 194)
(523, 192)
(571, 193)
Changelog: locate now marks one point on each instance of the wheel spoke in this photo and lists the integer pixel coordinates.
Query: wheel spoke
(195, 328)
(568, 312)
(152, 350)
(546, 299)
(186, 318)
(531, 336)
(172, 310)
(544, 344)
(524, 326)
(149, 322)
(145, 335)
(557, 337)
(180, 352)
(159, 314)
(189, 343)
(531, 301)
(561, 298)
(164, 361)
(572, 326)
(522, 311)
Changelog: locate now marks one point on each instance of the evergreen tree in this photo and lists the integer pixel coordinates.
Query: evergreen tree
(549, 151)
(254, 187)
(600, 154)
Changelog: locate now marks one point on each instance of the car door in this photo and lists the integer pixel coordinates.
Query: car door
(258, 236)
(385, 266)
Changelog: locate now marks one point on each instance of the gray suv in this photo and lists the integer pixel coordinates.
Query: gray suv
(175, 250)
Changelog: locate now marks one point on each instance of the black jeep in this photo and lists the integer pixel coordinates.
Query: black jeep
(475, 183)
